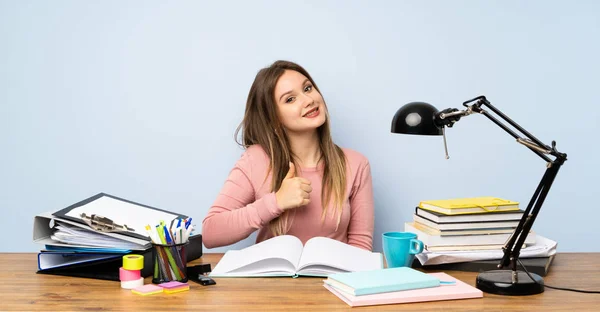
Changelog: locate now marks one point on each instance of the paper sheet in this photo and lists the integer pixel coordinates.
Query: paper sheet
(121, 212)
(543, 247)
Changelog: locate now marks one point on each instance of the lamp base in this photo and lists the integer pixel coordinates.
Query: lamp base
(499, 282)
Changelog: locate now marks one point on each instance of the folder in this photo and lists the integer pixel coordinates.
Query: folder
(119, 210)
(106, 267)
(135, 215)
(81, 239)
(57, 259)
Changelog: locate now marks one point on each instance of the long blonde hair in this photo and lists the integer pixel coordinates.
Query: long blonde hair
(261, 125)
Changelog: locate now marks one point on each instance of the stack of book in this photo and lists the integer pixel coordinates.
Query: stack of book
(478, 223)
(397, 285)
(469, 227)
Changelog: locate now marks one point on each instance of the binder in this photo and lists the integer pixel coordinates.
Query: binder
(108, 268)
(81, 240)
(120, 210)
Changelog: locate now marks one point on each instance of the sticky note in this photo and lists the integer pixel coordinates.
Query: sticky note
(148, 289)
(174, 286)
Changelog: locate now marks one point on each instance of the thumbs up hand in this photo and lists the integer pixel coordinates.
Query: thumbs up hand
(294, 191)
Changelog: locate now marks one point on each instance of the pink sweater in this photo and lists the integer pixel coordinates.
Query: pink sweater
(246, 204)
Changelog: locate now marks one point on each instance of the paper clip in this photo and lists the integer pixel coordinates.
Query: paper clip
(104, 224)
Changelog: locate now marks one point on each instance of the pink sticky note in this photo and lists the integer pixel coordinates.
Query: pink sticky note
(173, 284)
(147, 289)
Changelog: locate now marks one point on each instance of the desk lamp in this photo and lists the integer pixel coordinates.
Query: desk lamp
(423, 119)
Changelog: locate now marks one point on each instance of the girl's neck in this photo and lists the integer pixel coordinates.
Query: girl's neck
(306, 148)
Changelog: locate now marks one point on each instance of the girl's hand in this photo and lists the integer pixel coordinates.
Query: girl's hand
(294, 191)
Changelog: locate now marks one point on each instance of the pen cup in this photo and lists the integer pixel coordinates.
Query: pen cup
(169, 263)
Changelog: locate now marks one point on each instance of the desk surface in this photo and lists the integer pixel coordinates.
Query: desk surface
(23, 290)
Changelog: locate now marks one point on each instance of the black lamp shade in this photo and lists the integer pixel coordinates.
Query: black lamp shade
(416, 118)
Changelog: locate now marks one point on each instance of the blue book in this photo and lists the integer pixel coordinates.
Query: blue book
(382, 280)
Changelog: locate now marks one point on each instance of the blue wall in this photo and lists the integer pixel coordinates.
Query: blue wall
(140, 99)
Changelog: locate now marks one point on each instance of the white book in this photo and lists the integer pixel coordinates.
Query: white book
(286, 256)
(466, 225)
(475, 217)
(430, 240)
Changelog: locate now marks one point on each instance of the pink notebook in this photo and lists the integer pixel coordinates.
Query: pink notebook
(459, 290)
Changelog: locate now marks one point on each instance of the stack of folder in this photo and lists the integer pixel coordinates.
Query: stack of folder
(89, 238)
(397, 285)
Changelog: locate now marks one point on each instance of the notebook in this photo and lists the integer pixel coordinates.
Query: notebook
(473, 218)
(430, 239)
(469, 205)
(379, 281)
(458, 290)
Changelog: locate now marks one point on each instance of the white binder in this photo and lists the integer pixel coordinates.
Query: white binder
(124, 212)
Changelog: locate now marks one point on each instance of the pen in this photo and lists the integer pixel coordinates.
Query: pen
(171, 227)
(163, 237)
(187, 233)
(151, 234)
(167, 235)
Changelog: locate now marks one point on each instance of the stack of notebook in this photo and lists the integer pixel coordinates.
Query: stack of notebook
(474, 229)
(397, 285)
(479, 223)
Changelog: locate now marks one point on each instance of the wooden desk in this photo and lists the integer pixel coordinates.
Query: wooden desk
(23, 290)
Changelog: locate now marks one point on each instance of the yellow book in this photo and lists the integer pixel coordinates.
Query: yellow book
(471, 205)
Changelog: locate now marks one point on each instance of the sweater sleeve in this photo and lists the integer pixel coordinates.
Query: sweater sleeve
(362, 219)
(235, 214)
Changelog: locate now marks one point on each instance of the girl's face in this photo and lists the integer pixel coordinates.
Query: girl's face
(299, 104)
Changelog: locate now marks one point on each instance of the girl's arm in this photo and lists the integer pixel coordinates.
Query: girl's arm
(362, 218)
(236, 214)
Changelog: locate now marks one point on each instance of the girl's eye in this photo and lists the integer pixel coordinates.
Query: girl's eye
(308, 88)
(290, 99)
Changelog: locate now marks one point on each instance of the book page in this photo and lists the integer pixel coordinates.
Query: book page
(273, 255)
(81, 237)
(327, 255)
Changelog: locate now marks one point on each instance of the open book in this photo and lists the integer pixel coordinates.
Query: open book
(285, 256)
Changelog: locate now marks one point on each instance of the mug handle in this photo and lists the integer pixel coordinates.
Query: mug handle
(418, 244)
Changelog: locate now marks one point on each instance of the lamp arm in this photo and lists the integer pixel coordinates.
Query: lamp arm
(533, 141)
(513, 246)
